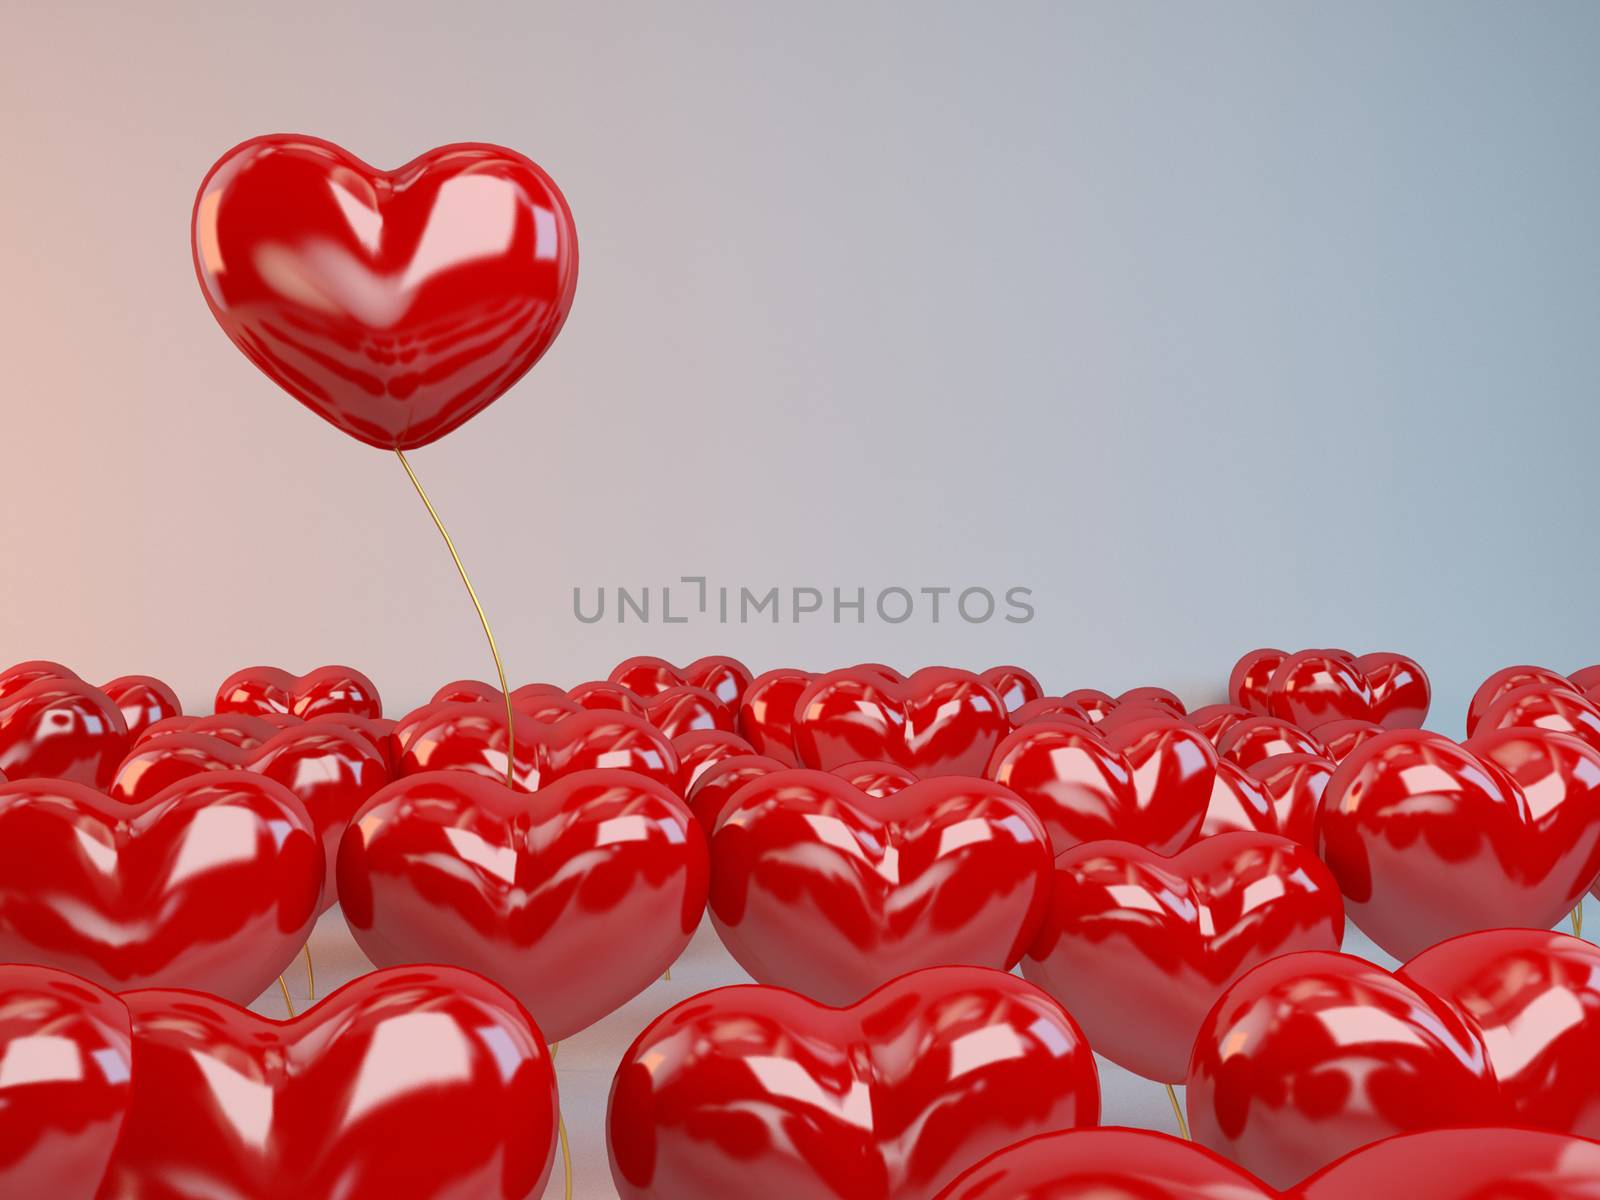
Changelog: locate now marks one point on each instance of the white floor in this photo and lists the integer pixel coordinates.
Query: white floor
(587, 1061)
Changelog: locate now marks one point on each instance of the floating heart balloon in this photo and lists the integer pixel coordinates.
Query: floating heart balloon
(1132, 932)
(1505, 680)
(263, 691)
(426, 1082)
(1239, 803)
(1295, 784)
(65, 1058)
(1214, 720)
(1429, 839)
(1342, 737)
(1312, 687)
(143, 700)
(701, 749)
(61, 728)
(1312, 1055)
(394, 304)
(211, 884)
(755, 1091)
(331, 770)
(1534, 998)
(713, 791)
(1555, 707)
(829, 891)
(1250, 741)
(574, 897)
(1248, 685)
(472, 737)
(725, 678)
(767, 711)
(1464, 1164)
(1013, 685)
(1106, 1164)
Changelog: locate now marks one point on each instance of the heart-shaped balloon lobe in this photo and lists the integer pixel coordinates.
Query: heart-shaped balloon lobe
(725, 678)
(1534, 998)
(1128, 930)
(61, 728)
(755, 1091)
(393, 304)
(1464, 1164)
(1106, 1164)
(212, 884)
(267, 691)
(66, 1050)
(1505, 680)
(1429, 839)
(1249, 682)
(143, 700)
(832, 892)
(427, 1083)
(1311, 1055)
(574, 898)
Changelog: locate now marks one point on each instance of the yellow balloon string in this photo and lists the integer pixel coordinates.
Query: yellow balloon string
(311, 976)
(505, 689)
(561, 1129)
(287, 1003)
(1177, 1111)
(1577, 920)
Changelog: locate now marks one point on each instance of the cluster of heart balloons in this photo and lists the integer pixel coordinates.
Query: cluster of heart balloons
(878, 851)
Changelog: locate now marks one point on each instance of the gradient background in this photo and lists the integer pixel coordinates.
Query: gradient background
(1218, 325)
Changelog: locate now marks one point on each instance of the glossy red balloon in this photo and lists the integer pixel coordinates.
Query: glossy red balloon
(819, 887)
(1314, 687)
(1250, 741)
(1154, 788)
(1533, 996)
(725, 678)
(1097, 705)
(575, 898)
(755, 1091)
(1401, 693)
(472, 737)
(1544, 706)
(236, 729)
(701, 749)
(939, 721)
(65, 1059)
(1214, 720)
(211, 884)
(1429, 839)
(1239, 803)
(56, 727)
(330, 769)
(1505, 680)
(766, 712)
(1251, 676)
(1312, 1055)
(264, 691)
(1586, 679)
(1106, 1164)
(1341, 737)
(425, 1082)
(1464, 1164)
(1294, 784)
(1050, 709)
(394, 304)
(143, 700)
(714, 789)
(1133, 932)
(1013, 685)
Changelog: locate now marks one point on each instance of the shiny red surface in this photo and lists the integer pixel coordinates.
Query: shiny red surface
(755, 1091)
(420, 1082)
(1401, 693)
(472, 737)
(1544, 706)
(1464, 1164)
(263, 691)
(1239, 803)
(1214, 720)
(1013, 685)
(725, 678)
(939, 721)
(1248, 742)
(1341, 737)
(1051, 708)
(822, 888)
(65, 1056)
(1247, 685)
(1129, 931)
(211, 884)
(1106, 1164)
(1505, 680)
(1294, 784)
(574, 897)
(1429, 839)
(143, 700)
(701, 749)
(717, 785)
(1312, 1055)
(330, 769)
(1534, 998)
(393, 304)
(54, 727)
(1314, 687)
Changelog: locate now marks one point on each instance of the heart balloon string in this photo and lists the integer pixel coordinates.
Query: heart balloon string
(287, 1003)
(561, 1134)
(1177, 1111)
(472, 593)
(311, 976)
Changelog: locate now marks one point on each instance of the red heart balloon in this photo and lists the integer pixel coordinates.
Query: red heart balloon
(61, 728)
(822, 888)
(755, 1091)
(1311, 1055)
(1130, 931)
(263, 691)
(1050, 709)
(1239, 803)
(427, 1083)
(1314, 687)
(1105, 1164)
(472, 737)
(1586, 679)
(65, 1058)
(143, 701)
(331, 770)
(1555, 707)
(1214, 720)
(1464, 1164)
(714, 789)
(1250, 741)
(701, 749)
(575, 898)
(1249, 683)
(211, 884)
(1342, 737)
(940, 721)
(1533, 996)
(725, 678)
(1429, 839)
(1295, 784)
(394, 304)
(1401, 693)
(1013, 685)
(1505, 680)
